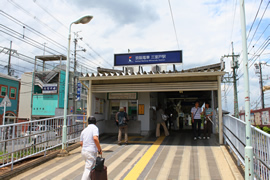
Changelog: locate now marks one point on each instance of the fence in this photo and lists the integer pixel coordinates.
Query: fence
(23, 140)
(235, 136)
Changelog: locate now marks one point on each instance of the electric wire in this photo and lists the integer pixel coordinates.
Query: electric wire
(259, 23)
(174, 25)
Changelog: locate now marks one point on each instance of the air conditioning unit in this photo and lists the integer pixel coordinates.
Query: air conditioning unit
(155, 68)
(159, 68)
(129, 69)
(162, 68)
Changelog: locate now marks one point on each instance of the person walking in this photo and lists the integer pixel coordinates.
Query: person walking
(121, 119)
(196, 120)
(160, 120)
(90, 146)
(208, 112)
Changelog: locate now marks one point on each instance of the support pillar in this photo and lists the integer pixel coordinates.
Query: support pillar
(220, 119)
(214, 113)
(89, 99)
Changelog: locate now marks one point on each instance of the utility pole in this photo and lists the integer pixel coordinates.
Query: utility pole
(259, 67)
(76, 37)
(234, 66)
(261, 83)
(9, 59)
(74, 77)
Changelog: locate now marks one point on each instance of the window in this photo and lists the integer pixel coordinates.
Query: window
(3, 90)
(12, 94)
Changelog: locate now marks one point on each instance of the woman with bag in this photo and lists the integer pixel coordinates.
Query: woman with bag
(208, 112)
(161, 118)
(122, 119)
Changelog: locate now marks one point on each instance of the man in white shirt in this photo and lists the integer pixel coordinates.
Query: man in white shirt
(196, 120)
(90, 146)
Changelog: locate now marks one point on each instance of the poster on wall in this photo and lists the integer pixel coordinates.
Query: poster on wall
(99, 106)
(124, 104)
(265, 117)
(141, 109)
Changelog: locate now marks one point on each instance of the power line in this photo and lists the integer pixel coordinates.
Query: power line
(261, 35)
(34, 17)
(259, 23)
(173, 24)
(254, 19)
(26, 39)
(46, 38)
(44, 9)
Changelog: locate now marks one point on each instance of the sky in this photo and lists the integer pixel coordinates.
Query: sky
(204, 32)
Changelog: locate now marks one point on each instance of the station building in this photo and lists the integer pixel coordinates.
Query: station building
(139, 93)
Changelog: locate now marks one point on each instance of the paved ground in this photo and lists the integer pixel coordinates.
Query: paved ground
(173, 157)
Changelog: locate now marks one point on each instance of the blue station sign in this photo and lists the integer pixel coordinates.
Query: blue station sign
(131, 59)
(79, 89)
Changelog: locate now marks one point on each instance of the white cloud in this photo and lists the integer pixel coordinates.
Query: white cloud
(203, 29)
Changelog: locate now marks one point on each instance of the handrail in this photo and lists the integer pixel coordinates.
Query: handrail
(19, 141)
(235, 136)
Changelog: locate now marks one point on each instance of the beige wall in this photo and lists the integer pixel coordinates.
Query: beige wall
(25, 96)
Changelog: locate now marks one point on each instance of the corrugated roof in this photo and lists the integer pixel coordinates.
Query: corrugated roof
(213, 69)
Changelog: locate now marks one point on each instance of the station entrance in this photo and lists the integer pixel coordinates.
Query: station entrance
(177, 106)
(141, 93)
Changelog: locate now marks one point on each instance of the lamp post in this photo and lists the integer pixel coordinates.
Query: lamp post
(249, 166)
(83, 20)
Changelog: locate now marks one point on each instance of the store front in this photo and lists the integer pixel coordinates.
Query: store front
(140, 94)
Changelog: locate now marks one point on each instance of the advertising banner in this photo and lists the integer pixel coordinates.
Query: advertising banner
(131, 59)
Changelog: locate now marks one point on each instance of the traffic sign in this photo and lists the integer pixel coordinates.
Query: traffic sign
(7, 101)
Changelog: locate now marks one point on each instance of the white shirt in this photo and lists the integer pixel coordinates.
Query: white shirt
(87, 138)
(196, 112)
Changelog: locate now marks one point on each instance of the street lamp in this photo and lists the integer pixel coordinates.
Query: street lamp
(83, 20)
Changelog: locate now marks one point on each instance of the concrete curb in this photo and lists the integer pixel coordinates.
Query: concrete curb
(233, 167)
(29, 165)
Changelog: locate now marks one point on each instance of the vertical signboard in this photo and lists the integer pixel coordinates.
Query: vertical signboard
(79, 89)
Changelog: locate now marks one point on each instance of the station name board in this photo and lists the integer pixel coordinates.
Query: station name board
(49, 88)
(131, 59)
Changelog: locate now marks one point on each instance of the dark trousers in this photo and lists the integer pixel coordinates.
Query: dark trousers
(207, 129)
(197, 123)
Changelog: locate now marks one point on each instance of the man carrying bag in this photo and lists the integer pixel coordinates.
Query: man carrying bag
(90, 146)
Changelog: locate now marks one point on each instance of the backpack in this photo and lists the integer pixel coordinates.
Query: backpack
(122, 119)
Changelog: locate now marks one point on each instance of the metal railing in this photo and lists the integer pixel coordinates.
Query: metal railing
(27, 139)
(234, 131)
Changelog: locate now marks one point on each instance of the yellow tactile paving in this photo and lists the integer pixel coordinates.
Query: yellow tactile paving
(136, 164)
(139, 155)
(139, 167)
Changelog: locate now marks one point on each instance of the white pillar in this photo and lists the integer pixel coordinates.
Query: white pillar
(220, 120)
(214, 112)
(89, 99)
